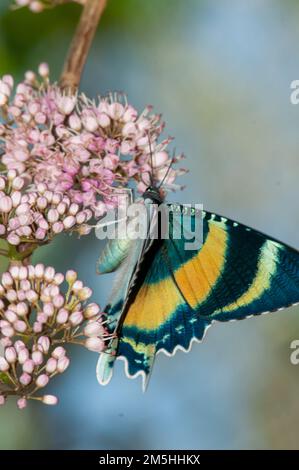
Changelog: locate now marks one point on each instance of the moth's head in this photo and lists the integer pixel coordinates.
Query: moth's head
(154, 194)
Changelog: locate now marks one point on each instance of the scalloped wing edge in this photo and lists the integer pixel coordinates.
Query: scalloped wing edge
(145, 377)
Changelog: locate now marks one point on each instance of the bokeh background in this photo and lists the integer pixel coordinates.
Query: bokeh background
(220, 72)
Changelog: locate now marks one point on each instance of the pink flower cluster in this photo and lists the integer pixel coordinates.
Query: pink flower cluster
(36, 317)
(29, 217)
(37, 6)
(26, 371)
(65, 160)
(81, 147)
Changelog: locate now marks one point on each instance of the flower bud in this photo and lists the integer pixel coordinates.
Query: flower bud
(42, 381)
(11, 316)
(39, 270)
(4, 365)
(58, 279)
(71, 276)
(28, 366)
(58, 301)
(90, 123)
(22, 403)
(58, 352)
(20, 326)
(25, 286)
(7, 280)
(50, 400)
(62, 316)
(13, 239)
(51, 365)
(48, 309)
(22, 309)
(18, 183)
(116, 111)
(19, 345)
(44, 344)
(93, 329)
(66, 104)
(23, 273)
(40, 234)
(53, 216)
(49, 274)
(5, 204)
(75, 122)
(103, 120)
(37, 358)
(37, 327)
(57, 227)
(11, 174)
(7, 331)
(16, 198)
(63, 364)
(25, 379)
(84, 293)
(54, 291)
(32, 296)
(11, 295)
(95, 344)
(43, 70)
(78, 285)
(42, 202)
(69, 222)
(23, 355)
(76, 318)
(11, 355)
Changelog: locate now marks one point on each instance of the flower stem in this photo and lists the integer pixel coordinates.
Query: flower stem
(81, 43)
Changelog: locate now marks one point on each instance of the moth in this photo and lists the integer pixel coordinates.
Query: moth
(166, 297)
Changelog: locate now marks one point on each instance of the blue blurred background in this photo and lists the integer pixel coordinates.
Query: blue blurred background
(220, 72)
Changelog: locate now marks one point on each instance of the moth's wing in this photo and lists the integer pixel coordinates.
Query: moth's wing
(237, 272)
(115, 306)
(126, 276)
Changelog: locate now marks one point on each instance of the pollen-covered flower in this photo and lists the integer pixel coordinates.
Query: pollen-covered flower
(78, 146)
(37, 316)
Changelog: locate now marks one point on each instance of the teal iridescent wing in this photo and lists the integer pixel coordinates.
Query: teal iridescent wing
(236, 273)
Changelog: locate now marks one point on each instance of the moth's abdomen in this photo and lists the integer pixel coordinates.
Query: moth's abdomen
(113, 255)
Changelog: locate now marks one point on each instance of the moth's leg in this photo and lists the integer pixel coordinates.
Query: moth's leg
(110, 222)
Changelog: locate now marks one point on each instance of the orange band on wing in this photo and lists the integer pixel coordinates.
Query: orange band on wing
(153, 305)
(198, 276)
(156, 303)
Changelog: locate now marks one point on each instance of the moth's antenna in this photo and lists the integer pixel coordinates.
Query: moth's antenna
(151, 159)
